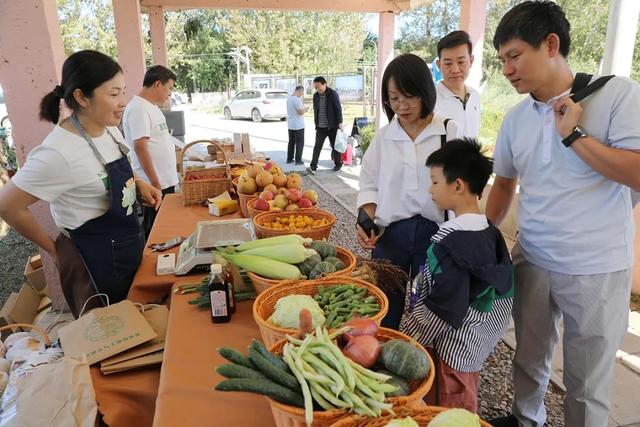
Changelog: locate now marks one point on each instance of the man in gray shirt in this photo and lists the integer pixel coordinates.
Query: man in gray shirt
(327, 115)
(295, 123)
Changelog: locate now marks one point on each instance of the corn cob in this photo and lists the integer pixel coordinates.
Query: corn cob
(272, 241)
(269, 268)
(291, 253)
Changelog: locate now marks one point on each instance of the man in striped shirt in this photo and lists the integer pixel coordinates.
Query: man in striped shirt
(460, 304)
(327, 115)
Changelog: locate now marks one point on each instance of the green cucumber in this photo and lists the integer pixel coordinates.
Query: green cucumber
(271, 371)
(239, 371)
(272, 358)
(234, 356)
(264, 387)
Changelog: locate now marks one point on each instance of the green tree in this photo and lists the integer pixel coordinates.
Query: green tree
(298, 42)
(423, 27)
(196, 49)
(87, 24)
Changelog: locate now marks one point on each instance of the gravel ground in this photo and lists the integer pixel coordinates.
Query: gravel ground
(14, 251)
(495, 389)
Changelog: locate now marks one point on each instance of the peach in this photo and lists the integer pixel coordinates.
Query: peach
(311, 195)
(261, 205)
(266, 195)
(305, 203)
(293, 194)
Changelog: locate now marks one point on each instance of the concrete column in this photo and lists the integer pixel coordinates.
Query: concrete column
(129, 36)
(385, 55)
(30, 67)
(621, 37)
(158, 38)
(473, 16)
(635, 270)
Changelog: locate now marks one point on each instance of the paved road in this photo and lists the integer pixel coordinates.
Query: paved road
(269, 137)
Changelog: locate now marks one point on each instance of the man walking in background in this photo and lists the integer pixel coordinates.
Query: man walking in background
(153, 155)
(295, 123)
(327, 116)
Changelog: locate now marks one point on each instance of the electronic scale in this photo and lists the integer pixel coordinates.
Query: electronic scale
(196, 253)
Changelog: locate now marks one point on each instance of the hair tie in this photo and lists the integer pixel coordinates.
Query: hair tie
(58, 91)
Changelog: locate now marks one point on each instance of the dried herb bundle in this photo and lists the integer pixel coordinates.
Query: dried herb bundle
(382, 273)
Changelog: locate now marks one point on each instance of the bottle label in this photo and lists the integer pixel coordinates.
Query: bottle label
(218, 303)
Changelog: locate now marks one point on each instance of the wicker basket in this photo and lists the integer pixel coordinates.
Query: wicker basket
(319, 233)
(253, 212)
(260, 283)
(208, 185)
(420, 415)
(291, 416)
(43, 334)
(265, 303)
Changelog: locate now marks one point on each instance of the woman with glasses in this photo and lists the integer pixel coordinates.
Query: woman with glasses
(394, 180)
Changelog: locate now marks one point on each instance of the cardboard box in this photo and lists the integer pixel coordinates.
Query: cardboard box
(237, 142)
(246, 144)
(34, 273)
(21, 307)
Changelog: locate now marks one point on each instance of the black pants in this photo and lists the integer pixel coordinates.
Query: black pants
(405, 244)
(296, 145)
(321, 135)
(149, 213)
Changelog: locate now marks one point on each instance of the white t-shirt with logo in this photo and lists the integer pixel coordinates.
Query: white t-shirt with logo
(143, 119)
(65, 172)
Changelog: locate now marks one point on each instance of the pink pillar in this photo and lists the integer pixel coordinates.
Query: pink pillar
(30, 67)
(385, 55)
(158, 40)
(473, 16)
(129, 36)
(635, 271)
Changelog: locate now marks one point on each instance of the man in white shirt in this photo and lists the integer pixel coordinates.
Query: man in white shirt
(455, 100)
(153, 154)
(295, 123)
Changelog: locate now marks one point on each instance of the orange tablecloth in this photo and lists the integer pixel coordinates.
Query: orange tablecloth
(128, 399)
(173, 220)
(186, 396)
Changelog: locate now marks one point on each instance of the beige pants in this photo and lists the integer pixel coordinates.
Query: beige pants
(594, 310)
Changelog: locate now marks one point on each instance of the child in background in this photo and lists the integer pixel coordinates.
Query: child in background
(460, 304)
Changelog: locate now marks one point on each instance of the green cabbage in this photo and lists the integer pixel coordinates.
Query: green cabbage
(455, 418)
(403, 422)
(287, 312)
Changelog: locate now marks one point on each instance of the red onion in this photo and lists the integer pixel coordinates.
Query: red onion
(362, 349)
(361, 326)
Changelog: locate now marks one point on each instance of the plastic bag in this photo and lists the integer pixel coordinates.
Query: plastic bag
(341, 142)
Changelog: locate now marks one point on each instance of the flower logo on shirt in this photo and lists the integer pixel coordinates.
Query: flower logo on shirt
(129, 195)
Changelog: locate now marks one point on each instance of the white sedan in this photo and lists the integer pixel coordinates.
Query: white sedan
(257, 104)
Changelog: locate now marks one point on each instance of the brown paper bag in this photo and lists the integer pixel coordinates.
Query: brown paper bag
(105, 331)
(138, 362)
(158, 317)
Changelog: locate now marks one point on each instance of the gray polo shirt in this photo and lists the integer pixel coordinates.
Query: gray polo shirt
(572, 220)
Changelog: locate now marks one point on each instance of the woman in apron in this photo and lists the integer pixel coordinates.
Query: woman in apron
(394, 180)
(81, 169)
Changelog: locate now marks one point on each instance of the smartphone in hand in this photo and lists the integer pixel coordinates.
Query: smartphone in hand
(366, 223)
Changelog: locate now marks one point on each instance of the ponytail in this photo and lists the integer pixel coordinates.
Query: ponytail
(50, 108)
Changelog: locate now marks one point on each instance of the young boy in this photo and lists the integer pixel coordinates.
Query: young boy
(462, 303)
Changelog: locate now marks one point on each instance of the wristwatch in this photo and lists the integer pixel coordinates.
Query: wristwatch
(573, 136)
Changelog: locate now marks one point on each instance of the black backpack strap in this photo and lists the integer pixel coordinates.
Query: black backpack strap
(581, 87)
(443, 140)
(580, 82)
